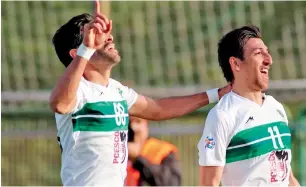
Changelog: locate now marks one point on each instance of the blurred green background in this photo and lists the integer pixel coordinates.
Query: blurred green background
(167, 48)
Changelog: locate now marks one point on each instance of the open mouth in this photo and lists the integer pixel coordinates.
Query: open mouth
(264, 71)
(111, 47)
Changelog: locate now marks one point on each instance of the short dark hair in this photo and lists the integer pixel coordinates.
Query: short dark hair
(232, 44)
(69, 37)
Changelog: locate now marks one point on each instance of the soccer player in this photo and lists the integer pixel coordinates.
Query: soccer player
(92, 110)
(246, 139)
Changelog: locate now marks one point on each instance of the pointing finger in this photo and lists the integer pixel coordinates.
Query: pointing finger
(97, 7)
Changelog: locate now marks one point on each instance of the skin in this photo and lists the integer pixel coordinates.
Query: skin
(251, 78)
(97, 35)
(141, 133)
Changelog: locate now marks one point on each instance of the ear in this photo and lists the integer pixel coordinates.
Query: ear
(234, 62)
(73, 53)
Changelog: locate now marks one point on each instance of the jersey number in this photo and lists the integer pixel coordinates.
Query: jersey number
(119, 112)
(275, 137)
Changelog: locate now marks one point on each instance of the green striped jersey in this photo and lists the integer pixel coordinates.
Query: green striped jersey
(252, 142)
(93, 137)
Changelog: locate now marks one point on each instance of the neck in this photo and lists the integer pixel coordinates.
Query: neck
(99, 76)
(246, 92)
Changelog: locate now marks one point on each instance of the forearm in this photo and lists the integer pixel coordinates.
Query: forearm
(210, 175)
(293, 181)
(205, 181)
(66, 87)
(178, 106)
(172, 107)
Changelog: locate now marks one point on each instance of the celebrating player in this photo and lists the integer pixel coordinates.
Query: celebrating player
(246, 139)
(92, 110)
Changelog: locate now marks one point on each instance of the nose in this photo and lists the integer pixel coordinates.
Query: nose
(268, 59)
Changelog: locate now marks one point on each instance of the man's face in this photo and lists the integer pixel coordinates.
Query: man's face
(255, 66)
(108, 52)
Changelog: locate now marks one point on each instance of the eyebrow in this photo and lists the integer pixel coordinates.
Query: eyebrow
(253, 49)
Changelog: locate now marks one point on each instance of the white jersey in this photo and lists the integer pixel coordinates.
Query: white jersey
(93, 137)
(252, 142)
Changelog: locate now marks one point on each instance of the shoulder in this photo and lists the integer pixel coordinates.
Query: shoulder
(217, 113)
(115, 83)
(218, 117)
(84, 86)
(118, 85)
(273, 103)
(223, 114)
(227, 103)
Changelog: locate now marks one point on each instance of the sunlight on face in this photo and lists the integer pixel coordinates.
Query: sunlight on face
(256, 64)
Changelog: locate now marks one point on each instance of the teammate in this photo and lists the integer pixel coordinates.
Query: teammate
(246, 139)
(92, 110)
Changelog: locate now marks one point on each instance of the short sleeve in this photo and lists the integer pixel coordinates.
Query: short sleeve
(80, 98)
(130, 96)
(80, 102)
(284, 114)
(214, 141)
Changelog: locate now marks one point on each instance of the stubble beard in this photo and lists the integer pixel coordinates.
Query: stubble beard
(107, 57)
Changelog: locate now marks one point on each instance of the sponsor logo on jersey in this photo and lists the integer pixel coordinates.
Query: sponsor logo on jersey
(119, 147)
(209, 142)
(278, 166)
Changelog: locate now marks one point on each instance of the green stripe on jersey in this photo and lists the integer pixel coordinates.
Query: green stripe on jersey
(256, 133)
(254, 150)
(258, 141)
(101, 117)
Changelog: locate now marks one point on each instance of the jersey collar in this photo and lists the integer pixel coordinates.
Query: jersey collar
(249, 101)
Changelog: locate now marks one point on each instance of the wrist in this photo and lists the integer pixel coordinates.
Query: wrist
(213, 95)
(85, 52)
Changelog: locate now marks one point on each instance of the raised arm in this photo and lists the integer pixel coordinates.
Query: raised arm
(172, 107)
(63, 97)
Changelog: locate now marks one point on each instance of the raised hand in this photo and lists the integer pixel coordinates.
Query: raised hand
(95, 32)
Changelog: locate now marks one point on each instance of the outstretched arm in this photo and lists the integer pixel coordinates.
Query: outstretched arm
(171, 107)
